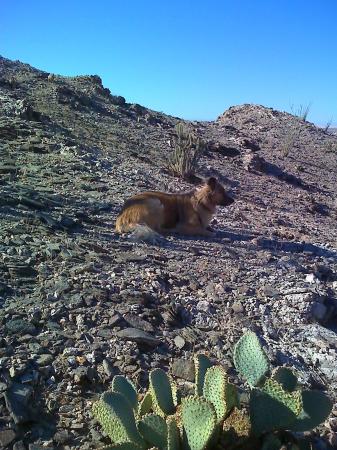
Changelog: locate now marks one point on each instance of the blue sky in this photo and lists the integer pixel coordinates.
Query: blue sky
(191, 59)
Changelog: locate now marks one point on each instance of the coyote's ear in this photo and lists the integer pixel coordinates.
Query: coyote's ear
(212, 182)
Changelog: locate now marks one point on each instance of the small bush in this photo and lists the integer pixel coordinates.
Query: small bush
(187, 150)
(301, 111)
(327, 126)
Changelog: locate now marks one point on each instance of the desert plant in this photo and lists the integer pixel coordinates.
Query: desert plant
(187, 149)
(327, 126)
(212, 418)
(301, 111)
(290, 139)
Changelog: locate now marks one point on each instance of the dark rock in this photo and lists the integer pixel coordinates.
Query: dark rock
(20, 326)
(17, 399)
(183, 368)
(44, 359)
(62, 437)
(6, 437)
(19, 446)
(137, 322)
(84, 374)
(139, 336)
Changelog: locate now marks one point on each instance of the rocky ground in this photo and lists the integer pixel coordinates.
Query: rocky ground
(80, 303)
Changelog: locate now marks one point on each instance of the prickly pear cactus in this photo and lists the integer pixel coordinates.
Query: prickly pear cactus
(271, 442)
(125, 387)
(215, 390)
(153, 428)
(145, 405)
(250, 359)
(286, 378)
(116, 416)
(198, 421)
(273, 408)
(222, 394)
(173, 434)
(211, 419)
(201, 364)
(161, 393)
(123, 446)
(316, 409)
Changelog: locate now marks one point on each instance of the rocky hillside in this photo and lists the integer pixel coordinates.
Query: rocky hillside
(80, 303)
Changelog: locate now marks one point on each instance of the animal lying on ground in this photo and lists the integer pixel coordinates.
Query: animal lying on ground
(189, 213)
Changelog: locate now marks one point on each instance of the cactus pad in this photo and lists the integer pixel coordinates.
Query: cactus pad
(125, 387)
(201, 364)
(273, 408)
(173, 435)
(145, 405)
(122, 446)
(293, 400)
(214, 390)
(271, 442)
(116, 416)
(286, 378)
(316, 408)
(153, 428)
(250, 359)
(161, 393)
(198, 419)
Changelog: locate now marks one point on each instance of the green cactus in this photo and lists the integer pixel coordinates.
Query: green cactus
(116, 416)
(215, 390)
(286, 378)
(211, 419)
(173, 435)
(161, 393)
(293, 400)
(198, 421)
(201, 364)
(271, 442)
(187, 149)
(125, 387)
(153, 428)
(145, 405)
(250, 359)
(316, 409)
(123, 446)
(273, 408)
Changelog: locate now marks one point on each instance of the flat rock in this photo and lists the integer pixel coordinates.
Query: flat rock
(20, 326)
(6, 437)
(137, 322)
(17, 399)
(183, 368)
(139, 336)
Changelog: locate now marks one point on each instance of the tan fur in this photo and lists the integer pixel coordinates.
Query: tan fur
(189, 213)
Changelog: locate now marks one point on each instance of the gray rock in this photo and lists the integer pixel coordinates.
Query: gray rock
(20, 326)
(237, 307)
(137, 322)
(19, 446)
(183, 368)
(179, 342)
(44, 360)
(62, 437)
(84, 374)
(319, 311)
(139, 336)
(17, 399)
(6, 437)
